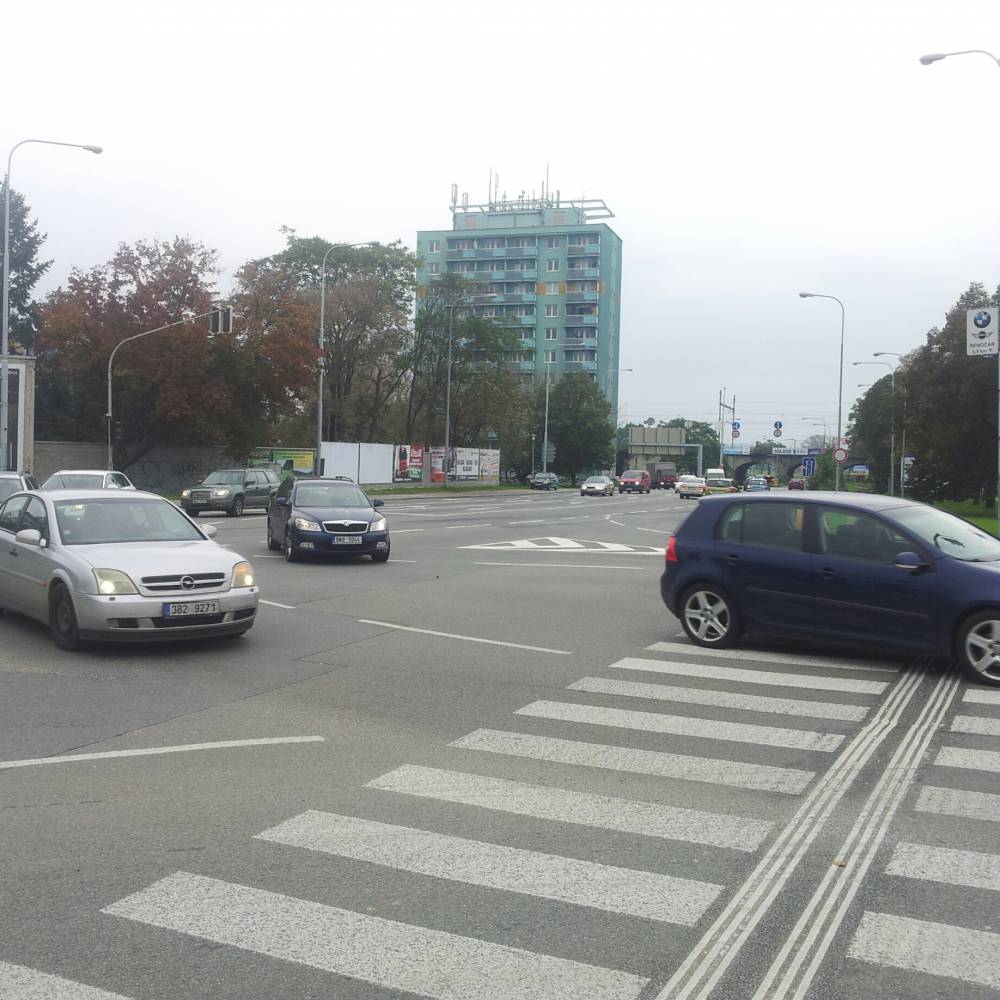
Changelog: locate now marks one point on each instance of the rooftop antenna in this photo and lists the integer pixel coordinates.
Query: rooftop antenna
(496, 188)
(465, 201)
(489, 189)
(546, 180)
(454, 195)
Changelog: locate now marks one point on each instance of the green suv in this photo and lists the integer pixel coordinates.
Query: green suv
(231, 490)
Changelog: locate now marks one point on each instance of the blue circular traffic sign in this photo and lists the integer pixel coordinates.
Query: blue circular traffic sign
(778, 425)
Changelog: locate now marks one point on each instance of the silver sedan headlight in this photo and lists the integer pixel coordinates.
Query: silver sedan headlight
(113, 581)
(243, 575)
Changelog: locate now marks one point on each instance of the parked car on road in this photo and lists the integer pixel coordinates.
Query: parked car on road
(87, 479)
(93, 564)
(15, 482)
(636, 481)
(873, 570)
(594, 485)
(544, 481)
(689, 487)
(232, 491)
(326, 515)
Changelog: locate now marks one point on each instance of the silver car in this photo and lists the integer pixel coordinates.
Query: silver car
(594, 485)
(87, 479)
(130, 565)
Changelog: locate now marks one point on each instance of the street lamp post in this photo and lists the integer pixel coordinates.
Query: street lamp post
(892, 418)
(322, 347)
(545, 435)
(111, 361)
(840, 383)
(532, 452)
(5, 321)
(926, 60)
(817, 422)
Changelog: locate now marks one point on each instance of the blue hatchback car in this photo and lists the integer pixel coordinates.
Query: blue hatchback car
(326, 515)
(855, 568)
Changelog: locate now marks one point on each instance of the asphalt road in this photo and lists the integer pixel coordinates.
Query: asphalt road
(491, 769)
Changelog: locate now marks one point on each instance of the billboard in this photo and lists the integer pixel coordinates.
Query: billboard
(288, 460)
(407, 463)
(489, 465)
(466, 463)
(437, 465)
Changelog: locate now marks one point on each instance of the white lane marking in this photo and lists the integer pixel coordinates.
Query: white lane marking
(739, 675)
(452, 527)
(72, 758)
(975, 724)
(953, 802)
(683, 725)
(404, 531)
(388, 953)
(981, 696)
(971, 760)
(647, 819)
(466, 638)
(922, 946)
(759, 777)
(947, 865)
(533, 521)
(720, 945)
(20, 983)
(557, 565)
(510, 869)
(801, 955)
(395, 560)
(722, 699)
(554, 543)
(751, 655)
(275, 604)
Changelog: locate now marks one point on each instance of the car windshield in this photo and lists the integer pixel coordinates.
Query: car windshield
(950, 534)
(632, 474)
(594, 479)
(330, 495)
(95, 522)
(9, 485)
(75, 481)
(231, 478)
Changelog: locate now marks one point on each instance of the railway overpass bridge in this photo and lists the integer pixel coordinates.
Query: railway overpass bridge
(785, 464)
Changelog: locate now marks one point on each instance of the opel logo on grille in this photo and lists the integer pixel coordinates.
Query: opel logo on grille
(187, 582)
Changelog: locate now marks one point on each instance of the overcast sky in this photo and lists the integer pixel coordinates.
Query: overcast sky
(749, 150)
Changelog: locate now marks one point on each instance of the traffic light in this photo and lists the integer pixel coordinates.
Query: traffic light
(221, 319)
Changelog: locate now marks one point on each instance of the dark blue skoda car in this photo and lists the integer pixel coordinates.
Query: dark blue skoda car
(854, 568)
(326, 515)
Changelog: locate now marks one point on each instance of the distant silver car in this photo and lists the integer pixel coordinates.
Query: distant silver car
(691, 486)
(15, 482)
(93, 564)
(87, 479)
(597, 485)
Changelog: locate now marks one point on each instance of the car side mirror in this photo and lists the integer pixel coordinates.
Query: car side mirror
(209, 530)
(29, 536)
(378, 502)
(910, 561)
(281, 501)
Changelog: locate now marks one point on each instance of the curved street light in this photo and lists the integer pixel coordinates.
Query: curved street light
(840, 383)
(5, 321)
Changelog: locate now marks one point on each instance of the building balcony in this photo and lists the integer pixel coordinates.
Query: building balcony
(576, 273)
(569, 367)
(524, 366)
(523, 320)
(521, 251)
(515, 275)
(460, 254)
(581, 319)
(582, 296)
(583, 249)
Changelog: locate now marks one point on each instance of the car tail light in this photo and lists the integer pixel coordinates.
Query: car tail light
(671, 554)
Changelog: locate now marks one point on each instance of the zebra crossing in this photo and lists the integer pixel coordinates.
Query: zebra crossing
(778, 766)
(962, 957)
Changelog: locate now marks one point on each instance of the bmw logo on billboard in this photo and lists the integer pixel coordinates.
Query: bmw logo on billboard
(981, 331)
(981, 321)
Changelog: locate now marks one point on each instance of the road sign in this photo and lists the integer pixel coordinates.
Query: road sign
(981, 329)
(736, 431)
(777, 430)
(815, 451)
(736, 425)
(809, 466)
(778, 425)
(840, 455)
(221, 320)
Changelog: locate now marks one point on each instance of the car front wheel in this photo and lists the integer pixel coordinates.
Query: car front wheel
(291, 552)
(271, 543)
(978, 646)
(62, 619)
(709, 616)
(237, 508)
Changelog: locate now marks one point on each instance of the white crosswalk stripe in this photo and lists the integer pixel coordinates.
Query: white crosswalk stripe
(972, 760)
(792, 659)
(971, 956)
(975, 724)
(683, 725)
(549, 876)
(982, 696)
(649, 819)
(18, 982)
(738, 675)
(722, 699)
(760, 777)
(388, 953)
(955, 802)
(947, 865)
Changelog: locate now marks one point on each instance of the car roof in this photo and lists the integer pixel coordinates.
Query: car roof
(81, 494)
(83, 472)
(863, 501)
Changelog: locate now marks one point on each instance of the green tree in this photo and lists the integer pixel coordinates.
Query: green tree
(25, 271)
(579, 425)
(870, 430)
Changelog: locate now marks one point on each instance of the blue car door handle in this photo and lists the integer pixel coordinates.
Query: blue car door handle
(732, 558)
(827, 573)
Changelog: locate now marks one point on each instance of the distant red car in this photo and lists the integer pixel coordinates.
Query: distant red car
(635, 481)
(796, 484)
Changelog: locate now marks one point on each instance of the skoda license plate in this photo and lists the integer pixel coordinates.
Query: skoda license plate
(190, 608)
(347, 540)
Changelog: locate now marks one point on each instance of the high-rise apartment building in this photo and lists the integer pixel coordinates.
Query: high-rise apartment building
(545, 267)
